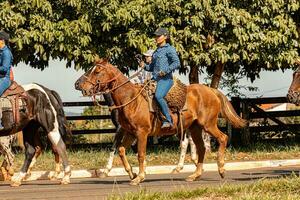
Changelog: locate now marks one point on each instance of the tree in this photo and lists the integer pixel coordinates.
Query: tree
(42, 29)
(208, 34)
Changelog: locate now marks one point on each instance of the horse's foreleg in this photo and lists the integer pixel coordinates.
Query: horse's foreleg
(127, 141)
(60, 147)
(196, 133)
(28, 136)
(183, 149)
(142, 143)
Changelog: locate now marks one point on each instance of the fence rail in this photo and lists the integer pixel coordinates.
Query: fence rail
(248, 108)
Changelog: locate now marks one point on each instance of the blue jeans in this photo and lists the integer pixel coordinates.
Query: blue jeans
(4, 84)
(162, 89)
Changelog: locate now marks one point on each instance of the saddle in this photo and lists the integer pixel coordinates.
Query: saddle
(176, 97)
(14, 98)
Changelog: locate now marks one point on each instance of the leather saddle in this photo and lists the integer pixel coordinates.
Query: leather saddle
(176, 97)
(17, 97)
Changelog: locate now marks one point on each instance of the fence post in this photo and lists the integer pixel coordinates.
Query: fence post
(245, 132)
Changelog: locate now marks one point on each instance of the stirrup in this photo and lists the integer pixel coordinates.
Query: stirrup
(166, 125)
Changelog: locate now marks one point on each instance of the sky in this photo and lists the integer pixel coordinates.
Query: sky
(61, 79)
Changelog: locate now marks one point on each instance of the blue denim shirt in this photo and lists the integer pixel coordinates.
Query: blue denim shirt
(6, 60)
(164, 59)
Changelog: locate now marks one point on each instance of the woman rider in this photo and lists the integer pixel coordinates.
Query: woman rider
(164, 61)
(6, 60)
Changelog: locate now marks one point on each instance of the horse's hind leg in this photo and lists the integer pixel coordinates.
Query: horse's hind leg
(60, 148)
(28, 136)
(7, 170)
(196, 132)
(222, 140)
(57, 165)
(116, 143)
(183, 150)
(127, 141)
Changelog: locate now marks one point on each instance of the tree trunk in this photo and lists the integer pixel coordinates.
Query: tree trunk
(217, 75)
(194, 75)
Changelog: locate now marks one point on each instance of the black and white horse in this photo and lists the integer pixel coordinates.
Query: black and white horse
(44, 110)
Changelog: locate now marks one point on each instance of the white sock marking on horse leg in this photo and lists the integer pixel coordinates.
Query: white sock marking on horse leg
(184, 145)
(55, 137)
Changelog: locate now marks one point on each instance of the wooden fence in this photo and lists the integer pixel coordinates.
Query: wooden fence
(248, 108)
(260, 121)
(88, 117)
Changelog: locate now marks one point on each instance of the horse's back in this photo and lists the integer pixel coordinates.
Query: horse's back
(202, 98)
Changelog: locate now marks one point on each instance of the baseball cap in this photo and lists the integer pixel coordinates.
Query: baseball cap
(4, 35)
(149, 53)
(161, 31)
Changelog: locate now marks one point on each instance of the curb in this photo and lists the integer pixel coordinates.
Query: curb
(43, 175)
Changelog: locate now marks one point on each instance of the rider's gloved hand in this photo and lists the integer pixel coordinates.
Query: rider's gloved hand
(142, 64)
(162, 73)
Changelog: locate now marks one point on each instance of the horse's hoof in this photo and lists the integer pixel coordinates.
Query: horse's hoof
(65, 182)
(53, 178)
(103, 175)
(27, 176)
(15, 184)
(222, 175)
(136, 181)
(134, 175)
(192, 178)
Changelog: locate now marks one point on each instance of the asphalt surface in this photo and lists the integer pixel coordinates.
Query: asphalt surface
(96, 188)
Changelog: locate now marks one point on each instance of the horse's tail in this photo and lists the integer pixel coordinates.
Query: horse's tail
(62, 121)
(228, 111)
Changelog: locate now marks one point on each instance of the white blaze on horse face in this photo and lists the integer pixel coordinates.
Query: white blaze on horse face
(54, 134)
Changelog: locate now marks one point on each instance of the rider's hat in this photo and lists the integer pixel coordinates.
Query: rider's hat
(161, 31)
(4, 35)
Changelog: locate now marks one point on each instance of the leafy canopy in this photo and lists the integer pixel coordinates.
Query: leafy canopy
(247, 35)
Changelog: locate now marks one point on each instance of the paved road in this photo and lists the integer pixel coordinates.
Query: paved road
(96, 188)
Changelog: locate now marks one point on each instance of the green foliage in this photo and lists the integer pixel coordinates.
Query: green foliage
(251, 35)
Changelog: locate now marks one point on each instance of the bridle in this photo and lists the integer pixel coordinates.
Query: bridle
(98, 84)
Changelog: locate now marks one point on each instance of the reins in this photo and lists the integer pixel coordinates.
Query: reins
(118, 86)
(134, 98)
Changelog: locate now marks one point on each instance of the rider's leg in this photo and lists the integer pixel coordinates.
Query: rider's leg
(162, 89)
(4, 84)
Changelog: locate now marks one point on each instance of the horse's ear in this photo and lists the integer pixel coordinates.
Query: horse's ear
(104, 60)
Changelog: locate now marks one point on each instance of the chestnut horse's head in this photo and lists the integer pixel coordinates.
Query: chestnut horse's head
(97, 79)
(294, 90)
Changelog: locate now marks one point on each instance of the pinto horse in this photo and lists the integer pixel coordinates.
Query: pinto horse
(203, 107)
(44, 110)
(293, 95)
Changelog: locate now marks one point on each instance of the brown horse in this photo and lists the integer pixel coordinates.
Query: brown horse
(294, 90)
(203, 107)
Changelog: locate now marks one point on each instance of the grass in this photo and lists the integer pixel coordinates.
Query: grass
(283, 188)
(94, 158)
